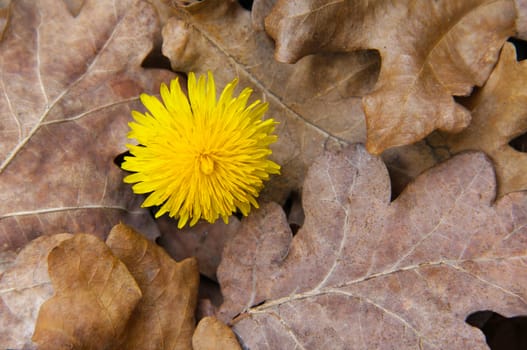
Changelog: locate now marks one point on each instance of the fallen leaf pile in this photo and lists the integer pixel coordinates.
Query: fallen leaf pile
(127, 293)
(499, 114)
(429, 52)
(398, 221)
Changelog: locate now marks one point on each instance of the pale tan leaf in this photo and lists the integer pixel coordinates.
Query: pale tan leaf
(212, 334)
(364, 273)
(24, 286)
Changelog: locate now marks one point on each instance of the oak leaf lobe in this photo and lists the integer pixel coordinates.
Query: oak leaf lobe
(366, 273)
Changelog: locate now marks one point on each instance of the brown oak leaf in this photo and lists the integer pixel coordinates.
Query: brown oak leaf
(367, 273)
(67, 86)
(126, 294)
(499, 114)
(164, 317)
(430, 50)
(24, 286)
(95, 295)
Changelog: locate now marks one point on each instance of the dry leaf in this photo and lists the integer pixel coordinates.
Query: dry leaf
(212, 334)
(316, 101)
(364, 273)
(204, 241)
(6, 260)
(521, 20)
(94, 297)
(4, 15)
(430, 51)
(164, 317)
(98, 302)
(24, 286)
(405, 163)
(499, 114)
(67, 86)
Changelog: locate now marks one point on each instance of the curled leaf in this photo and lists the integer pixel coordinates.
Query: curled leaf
(430, 50)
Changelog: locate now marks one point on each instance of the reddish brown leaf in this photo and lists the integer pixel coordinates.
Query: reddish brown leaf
(364, 273)
(499, 114)
(24, 286)
(430, 51)
(94, 297)
(164, 317)
(67, 85)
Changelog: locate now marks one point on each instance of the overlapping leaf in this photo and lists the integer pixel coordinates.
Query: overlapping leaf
(364, 273)
(430, 51)
(95, 295)
(164, 317)
(67, 85)
(204, 241)
(24, 286)
(127, 293)
(499, 114)
(316, 101)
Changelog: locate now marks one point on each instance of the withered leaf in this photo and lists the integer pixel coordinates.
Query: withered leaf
(24, 286)
(499, 114)
(67, 85)
(94, 297)
(521, 20)
(212, 334)
(364, 273)
(4, 15)
(430, 51)
(164, 317)
(316, 101)
(204, 241)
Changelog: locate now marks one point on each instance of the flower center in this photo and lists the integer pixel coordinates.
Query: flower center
(206, 164)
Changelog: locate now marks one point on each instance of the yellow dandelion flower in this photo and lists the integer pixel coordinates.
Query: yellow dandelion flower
(199, 157)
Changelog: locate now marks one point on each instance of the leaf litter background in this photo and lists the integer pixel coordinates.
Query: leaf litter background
(329, 261)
